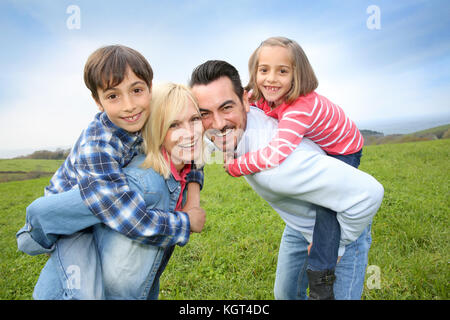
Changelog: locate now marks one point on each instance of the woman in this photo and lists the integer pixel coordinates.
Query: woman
(173, 138)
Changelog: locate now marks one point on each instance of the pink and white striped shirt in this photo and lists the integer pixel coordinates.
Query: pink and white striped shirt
(312, 116)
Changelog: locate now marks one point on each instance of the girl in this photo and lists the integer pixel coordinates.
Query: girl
(283, 83)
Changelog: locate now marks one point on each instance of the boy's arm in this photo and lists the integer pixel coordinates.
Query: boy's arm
(66, 213)
(193, 196)
(105, 190)
(194, 180)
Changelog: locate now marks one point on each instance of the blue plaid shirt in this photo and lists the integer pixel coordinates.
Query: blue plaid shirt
(95, 164)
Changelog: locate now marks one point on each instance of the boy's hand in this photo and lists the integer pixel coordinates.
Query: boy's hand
(197, 218)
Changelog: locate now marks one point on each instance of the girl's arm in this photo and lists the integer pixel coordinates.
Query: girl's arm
(291, 129)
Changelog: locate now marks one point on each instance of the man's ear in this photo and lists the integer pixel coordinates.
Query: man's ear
(245, 101)
(99, 105)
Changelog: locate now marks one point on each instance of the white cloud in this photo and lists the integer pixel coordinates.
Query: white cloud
(52, 104)
(51, 100)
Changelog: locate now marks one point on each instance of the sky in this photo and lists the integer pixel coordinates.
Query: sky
(378, 60)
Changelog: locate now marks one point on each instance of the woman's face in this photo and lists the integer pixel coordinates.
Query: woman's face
(184, 139)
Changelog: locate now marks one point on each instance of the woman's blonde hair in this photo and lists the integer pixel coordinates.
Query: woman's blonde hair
(168, 101)
(304, 80)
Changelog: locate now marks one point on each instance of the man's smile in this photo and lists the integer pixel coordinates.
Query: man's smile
(223, 132)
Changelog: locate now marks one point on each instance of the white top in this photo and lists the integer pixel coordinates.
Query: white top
(308, 177)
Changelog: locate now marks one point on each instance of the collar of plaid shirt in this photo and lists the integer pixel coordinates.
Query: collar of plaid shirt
(129, 139)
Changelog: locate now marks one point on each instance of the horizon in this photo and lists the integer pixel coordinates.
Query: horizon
(378, 60)
(375, 125)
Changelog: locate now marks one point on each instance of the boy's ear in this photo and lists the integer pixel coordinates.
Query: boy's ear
(99, 105)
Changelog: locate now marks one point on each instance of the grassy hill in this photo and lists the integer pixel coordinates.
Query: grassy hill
(235, 256)
(375, 138)
(24, 169)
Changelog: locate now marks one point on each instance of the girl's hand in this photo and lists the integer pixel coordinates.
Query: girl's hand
(227, 159)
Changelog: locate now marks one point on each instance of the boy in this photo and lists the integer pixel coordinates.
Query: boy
(120, 81)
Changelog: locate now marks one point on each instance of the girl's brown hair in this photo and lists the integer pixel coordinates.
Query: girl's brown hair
(304, 80)
(106, 67)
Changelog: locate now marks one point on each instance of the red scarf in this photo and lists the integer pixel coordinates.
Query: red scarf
(179, 176)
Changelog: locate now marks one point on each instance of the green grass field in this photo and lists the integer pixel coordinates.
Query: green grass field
(25, 169)
(235, 256)
(29, 165)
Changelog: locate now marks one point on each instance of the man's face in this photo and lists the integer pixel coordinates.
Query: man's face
(224, 116)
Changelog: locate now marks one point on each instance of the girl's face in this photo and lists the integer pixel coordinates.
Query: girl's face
(184, 138)
(274, 74)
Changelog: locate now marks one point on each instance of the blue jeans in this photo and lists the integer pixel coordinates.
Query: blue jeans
(115, 268)
(131, 270)
(51, 216)
(97, 263)
(291, 280)
(327, 231)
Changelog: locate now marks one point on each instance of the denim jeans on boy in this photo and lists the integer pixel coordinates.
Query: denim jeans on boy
(291, 279)
(119, 269)
(97, 263)
(327, 231)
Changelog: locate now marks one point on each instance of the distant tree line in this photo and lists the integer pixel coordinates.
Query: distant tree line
(367, 133)
(58, 154)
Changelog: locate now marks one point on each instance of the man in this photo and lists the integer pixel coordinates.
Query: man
(305, 179)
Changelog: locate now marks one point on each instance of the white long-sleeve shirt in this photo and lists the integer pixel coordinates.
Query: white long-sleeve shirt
(308, 177)
(312, 116)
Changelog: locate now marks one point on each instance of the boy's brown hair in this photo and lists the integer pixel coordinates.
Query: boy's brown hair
(106, 68)
(304, 80)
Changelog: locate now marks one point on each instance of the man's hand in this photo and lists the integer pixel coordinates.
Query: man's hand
(197, 218)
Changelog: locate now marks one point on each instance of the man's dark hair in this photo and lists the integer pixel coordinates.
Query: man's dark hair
(212, 70)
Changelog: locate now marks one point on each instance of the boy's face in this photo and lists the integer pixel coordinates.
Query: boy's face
(127, 104)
